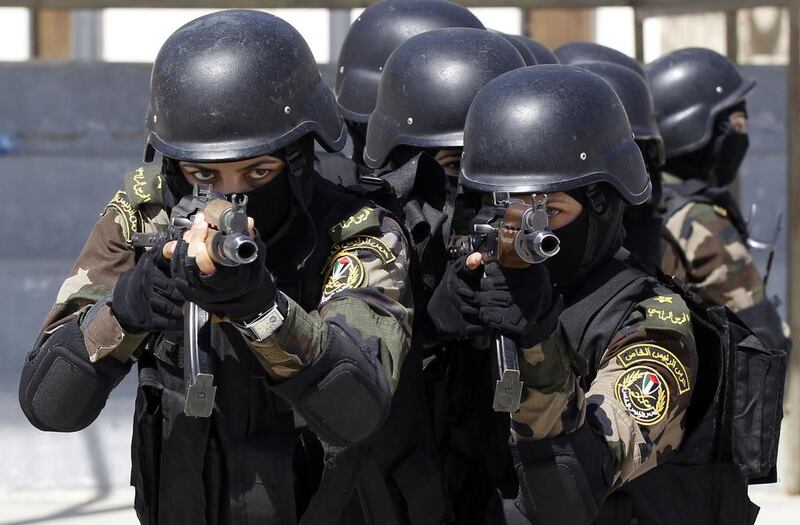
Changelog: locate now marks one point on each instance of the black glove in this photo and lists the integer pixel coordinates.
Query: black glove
(145, 298)
(237, 292)
(453, 307)
(519, 303)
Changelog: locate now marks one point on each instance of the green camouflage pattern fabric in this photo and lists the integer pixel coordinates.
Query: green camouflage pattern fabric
(375, 301)
(105, 255)
(716, 262)
(638, 398)
(366, 290)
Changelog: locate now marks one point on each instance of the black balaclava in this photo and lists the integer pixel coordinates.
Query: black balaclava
(718, 162)
(651, 156)
(643, 223)
(595, 235)
(358, 136)
(272, 206)
(401, 155)
(175, 182)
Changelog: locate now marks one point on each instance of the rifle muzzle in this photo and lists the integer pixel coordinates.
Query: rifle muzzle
(233, 249)
(537, 246)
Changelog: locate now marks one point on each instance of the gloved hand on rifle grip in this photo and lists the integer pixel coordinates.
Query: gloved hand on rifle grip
(236, 292)
(453, 307)
(145, 298)
(519, 303)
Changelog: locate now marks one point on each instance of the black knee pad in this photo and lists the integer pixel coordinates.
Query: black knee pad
(60, 389)
(563, 480)
(344, 396)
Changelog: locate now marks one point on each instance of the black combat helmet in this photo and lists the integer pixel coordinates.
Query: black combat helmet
(547, 129)
(634, 93)
(583, 52)
(372, 38)
(642, 227)
(524, 50)
(237, 84)
(553, 128)
(691, 88)
(427, 86)
(539, 51)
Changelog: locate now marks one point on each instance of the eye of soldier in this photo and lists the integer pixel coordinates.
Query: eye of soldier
(259, 173)
(203, 175)
(552, 212)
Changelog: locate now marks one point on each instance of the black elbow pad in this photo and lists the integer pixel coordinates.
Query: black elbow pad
(60, 389)
(344, 396)
(563, 480)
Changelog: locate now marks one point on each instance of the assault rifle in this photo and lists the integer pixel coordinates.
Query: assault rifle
(516, 235)
(228, 244)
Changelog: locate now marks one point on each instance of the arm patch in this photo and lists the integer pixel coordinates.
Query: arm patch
(363, 220)
(129, 217)
(667, 312)
(143, 186)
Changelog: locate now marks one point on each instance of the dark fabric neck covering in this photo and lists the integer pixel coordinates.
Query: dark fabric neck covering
(643, 223)
(402, 155)
(717, 162)
(270, 205)
(593, 237)
(650, 154)
(176, 186)
(358, 137)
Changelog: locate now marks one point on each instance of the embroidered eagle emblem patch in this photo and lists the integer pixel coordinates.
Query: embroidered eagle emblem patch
(645, 394)
(344, 272)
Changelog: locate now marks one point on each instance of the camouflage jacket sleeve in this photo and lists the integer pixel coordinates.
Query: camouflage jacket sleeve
(84, 295)
(366, 295)
(638, 398)
(719, 266)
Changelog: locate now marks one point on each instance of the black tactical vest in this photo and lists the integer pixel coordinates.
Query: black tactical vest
(726, 441)
(247, 463)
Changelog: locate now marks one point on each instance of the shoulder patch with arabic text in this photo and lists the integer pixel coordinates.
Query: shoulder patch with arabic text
(144, 185)
(363, 220)
(639, 353)
(128, 215)
(366, 242)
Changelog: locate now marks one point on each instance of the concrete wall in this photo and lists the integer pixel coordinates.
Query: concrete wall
(73, 131)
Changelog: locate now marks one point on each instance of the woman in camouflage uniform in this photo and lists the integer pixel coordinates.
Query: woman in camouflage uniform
(312, 334)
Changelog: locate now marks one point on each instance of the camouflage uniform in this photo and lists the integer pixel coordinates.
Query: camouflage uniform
(711, 255)
(705, 245)
(634, 396)
(358, 281)
(373, 242)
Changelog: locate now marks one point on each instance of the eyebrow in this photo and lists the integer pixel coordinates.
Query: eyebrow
(242, 170)
(259, 163)
(200, 167)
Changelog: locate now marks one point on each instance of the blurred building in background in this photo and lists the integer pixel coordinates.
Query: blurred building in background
(134, 35)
